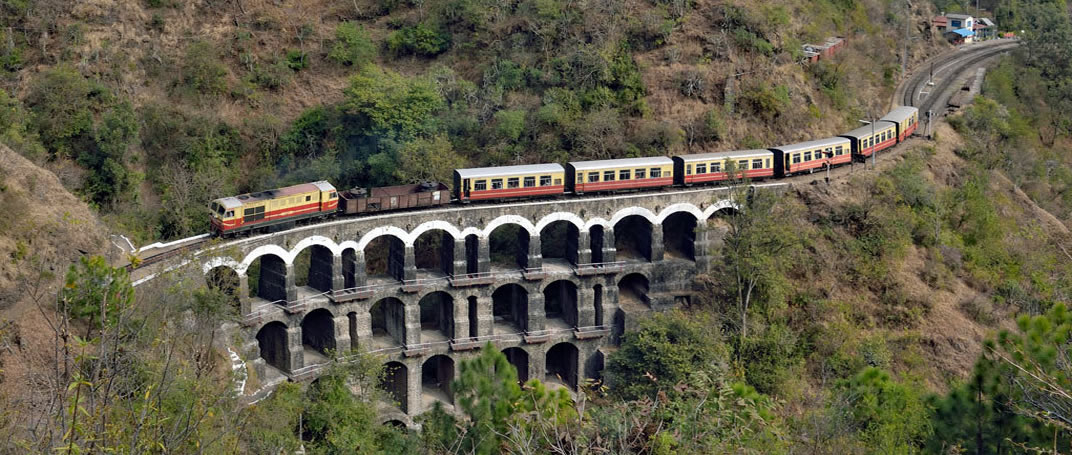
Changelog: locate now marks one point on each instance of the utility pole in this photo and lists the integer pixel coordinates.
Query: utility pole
(904, 49)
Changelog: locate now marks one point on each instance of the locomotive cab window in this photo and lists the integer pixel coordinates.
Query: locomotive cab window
(308, 198)
(333, 195)
(623, 174)
(480, 185)
(513, 182)
(701, 168)
(229, 214)
(639, 173)
(496, 184)
(656, 172)
(530, 182)
(608, 176)
(593, 177)
(545, 180)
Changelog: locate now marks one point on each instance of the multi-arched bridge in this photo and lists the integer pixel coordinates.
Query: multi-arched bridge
(552, 283)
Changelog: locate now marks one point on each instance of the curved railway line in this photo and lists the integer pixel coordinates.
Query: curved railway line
(954, 65)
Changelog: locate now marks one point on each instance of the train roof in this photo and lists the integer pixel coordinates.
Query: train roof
(865, 130)
(503, 171)
(830, 141)
(232, 202)
(624, 162)
(723, 155)
(900, 114)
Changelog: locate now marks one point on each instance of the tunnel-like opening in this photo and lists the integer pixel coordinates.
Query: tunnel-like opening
(436, 376)
(633, 291)
(560, 303)
(474, 317)
(268, 279)
(313, 268)
(619, 327)
(561, 366)
(385, 257)
(597, 303)
(393, 382)
(437, 317)
(595, 243)
(679, 236)
(510, 308)
(388, 322)
(397, 424)
(509, 247)
(318, 334)
(632, 238)
(349, 268)
(225, 280)
(351, 318)
(472, 254)
(520, 361)
(434, 252)
(593, 367)
(560, 240)
(272, 342)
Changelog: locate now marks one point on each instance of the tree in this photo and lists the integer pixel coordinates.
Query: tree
(385, 104)
(353, 45)
(428, 160)
(892, 416)
(95, 292)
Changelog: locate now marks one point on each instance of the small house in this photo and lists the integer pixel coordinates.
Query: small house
(959, 36)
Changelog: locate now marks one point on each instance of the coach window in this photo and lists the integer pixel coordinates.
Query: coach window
(593, 177)
(807, 156)
(757, 164)
(608, 176)
(839, 151)
(688, 169)
(796, 158)
(639, 173)
(656, 172)
(530, 182)
(545, 180)
(716, 167)
(496, 184)
(768, 163)
(513, 182)
(701, 168)
(623, 174)
(480, 185)
(742, 165)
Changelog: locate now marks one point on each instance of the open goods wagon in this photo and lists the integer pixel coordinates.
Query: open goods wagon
(361, 200)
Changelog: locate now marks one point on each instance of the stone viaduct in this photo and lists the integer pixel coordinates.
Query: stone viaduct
(553, 284)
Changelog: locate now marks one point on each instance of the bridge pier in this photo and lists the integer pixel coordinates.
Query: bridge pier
(607, 245)
(537, 315)
(322, 269)
(534, 259)
(338, 281)
(584, 248)
(245, 304)
(342, 333)
(459, 264)
(657, 246)
(409, 264)
(585, 310)
(483, 255)
(296, 352)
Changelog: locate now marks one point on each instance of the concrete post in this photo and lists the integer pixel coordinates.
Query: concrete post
(296, 353)
(584, 247)
(657, 246)
(537, 313)
(245, 304)
(409, 265)
(609, 251)
(535, 255)
(342, 334)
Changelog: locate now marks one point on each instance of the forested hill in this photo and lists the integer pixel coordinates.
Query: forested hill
(149, 108)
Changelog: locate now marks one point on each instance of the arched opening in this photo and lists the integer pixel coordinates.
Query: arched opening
(474, 317)
(679, 236)
(434, 252)
(349, 268)
(560, 304)
(268, 279)
(272, 342)
(593, 368)
(619, 327)
(597, 303)
(510, 308)
(224, 280)
(318, 335)
(632, 238)
(313, 268)
(633, 292)
(393, 382)
(385, 258)
(472, 254)
(509, 247)
(520, 360)
(559, 240)
(388, 323)
(595, 243)
(436, 376)
(437, 317)
(397, 424)
(561, 366)
(352, 320)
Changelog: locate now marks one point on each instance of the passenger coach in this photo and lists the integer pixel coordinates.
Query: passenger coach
(906, 118)
(712, 167)
(613, 175)
(866, 141)
(808, 156)
(508, 182)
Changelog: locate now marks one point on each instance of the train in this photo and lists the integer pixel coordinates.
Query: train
(283, 208)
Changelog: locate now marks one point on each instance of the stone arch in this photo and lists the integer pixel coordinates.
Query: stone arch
(561, 365)
(722, 205)
(267, 278)
(509, 219)
(388, 320)
(508, 245)
(510, 308)
(315, 268)
(318, 332)
(633, 291)
(385, 256)
(225, 279)
(559, 216)
(593, 367)
(633, 238)
(437, 373)
(349, 267)
(380, 231)
(436, 225)
(437, 316)
(596, 243)
(519, 358)
(394, 381)
(560, 239)
(262, 250)
(679, 235)
(472, 254)
(680, 207)
(273, 345)
(560, 303)
(315, 240)
(433, 250)
(597, 304)
(219, 261)
(633, 211)
(474, 316)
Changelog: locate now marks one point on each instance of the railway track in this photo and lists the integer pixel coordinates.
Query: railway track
(912, 96)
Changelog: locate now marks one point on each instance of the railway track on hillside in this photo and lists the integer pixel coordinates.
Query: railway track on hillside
(928, 97)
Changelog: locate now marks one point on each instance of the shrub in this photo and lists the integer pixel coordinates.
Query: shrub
(418, 40)
(297, 60)
(201, 69)
(353, 45)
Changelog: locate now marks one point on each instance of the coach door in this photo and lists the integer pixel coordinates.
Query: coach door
(465, 187)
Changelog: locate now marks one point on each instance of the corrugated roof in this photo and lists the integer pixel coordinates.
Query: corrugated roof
(964, 32)
(900, 114)
(502, 171)
(866, 130)
(830, 141)
(724, 155)
(625, 162)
